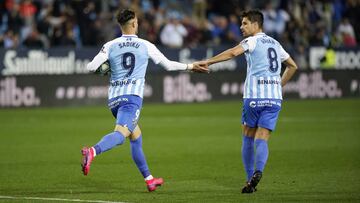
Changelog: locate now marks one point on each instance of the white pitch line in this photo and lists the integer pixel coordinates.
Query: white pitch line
(56, 199)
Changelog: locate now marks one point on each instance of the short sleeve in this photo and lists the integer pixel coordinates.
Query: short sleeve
(248, 44)
(283, 54)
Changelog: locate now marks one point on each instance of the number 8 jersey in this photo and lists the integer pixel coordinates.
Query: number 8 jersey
(264, 56)
(128, 56)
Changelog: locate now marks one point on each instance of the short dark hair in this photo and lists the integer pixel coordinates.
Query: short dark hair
(124, 16)
(254, 16)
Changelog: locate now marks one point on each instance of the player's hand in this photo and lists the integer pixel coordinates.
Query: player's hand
(200, 67)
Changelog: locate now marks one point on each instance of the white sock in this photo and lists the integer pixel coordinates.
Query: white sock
(149, 177)
(93, 149)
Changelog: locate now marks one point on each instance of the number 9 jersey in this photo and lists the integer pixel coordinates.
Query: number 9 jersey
(128, 56)
(264, 56)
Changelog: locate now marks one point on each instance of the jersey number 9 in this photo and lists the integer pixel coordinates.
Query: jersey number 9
(128, 62)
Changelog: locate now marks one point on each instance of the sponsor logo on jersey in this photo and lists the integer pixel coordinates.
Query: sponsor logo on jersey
(252, 104)
(122, 83)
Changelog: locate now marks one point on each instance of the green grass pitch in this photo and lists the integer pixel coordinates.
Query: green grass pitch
(196, 148)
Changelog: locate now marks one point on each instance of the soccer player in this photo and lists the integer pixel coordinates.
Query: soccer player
(262, 91)
(128, 58)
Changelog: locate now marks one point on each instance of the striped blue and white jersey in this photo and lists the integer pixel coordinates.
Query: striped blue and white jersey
(128, 56)
(264, 56)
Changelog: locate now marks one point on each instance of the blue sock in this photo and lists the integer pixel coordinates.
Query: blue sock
(248, 155)
(109, 141)
(139, 157)
(262, 153)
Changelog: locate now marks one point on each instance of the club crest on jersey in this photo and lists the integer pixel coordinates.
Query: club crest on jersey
(103, 50)
(244, 41)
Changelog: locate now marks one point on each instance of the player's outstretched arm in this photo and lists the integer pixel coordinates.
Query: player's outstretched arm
(173, 65)
(169, 65)
(289, 71)
(226, 55)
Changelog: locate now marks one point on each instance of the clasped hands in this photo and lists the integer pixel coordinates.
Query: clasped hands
(199, 67)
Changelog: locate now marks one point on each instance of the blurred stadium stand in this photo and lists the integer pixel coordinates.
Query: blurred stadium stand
(296, 24)
(57, 38)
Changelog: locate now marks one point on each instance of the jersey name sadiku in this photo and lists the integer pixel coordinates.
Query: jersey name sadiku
(128, 56)
(264, 56)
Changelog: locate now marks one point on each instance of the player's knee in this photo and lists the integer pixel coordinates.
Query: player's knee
(247, 131)
(123, 130)
(262, 133)
(135, 134)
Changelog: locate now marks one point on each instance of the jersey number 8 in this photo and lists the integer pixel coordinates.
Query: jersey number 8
(272, 56)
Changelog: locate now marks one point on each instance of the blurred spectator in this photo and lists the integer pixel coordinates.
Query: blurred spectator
(346, 34)
(297, 24)
(274, 20)
(329, 59)
(35, 39)
(338, 10)
(319, 38)
(88, 28)
(233, 34)
(300, 57)
(199, 11)
(174, 32)
(223, 8)
(14, 21)
(27, 11)
(269, 20)
(69, 39)
(147, 31)
(348, 40)
(10, 40)
(218, 30)
(346, 27)
(205, 36)
(352, 9)
(192, 38)
(106, 27)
